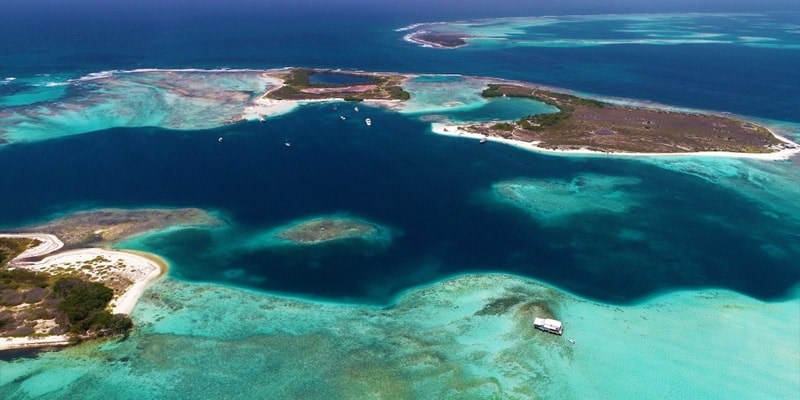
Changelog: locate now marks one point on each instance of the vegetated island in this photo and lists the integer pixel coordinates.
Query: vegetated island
(299, 84)
(50, 297)
(290, 87)
(587, 124)
(437, 39)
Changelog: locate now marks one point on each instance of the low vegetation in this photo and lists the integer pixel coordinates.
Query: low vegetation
(84, 305)
(592, 124)
(297, 86)
(12, 247)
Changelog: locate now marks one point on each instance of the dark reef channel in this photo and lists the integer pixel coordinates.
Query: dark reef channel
(433, 192)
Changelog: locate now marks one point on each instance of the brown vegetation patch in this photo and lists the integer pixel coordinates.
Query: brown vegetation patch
(103, 227)
(599, 126)
(297, 87)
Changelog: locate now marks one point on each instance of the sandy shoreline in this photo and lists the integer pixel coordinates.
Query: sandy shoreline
(140, 269)
(457, 131)
(265, 107)
(49, 243)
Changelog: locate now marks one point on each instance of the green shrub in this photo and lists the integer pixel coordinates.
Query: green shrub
(503, 126)
(397, 93)
(84, 304)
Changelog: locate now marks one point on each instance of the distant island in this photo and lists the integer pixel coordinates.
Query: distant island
(438, 40)
(557, 120)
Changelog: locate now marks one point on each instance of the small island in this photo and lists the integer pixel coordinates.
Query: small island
(587, 124)
(323, 230)
(318, 84)
(437, 39)
(323, 233)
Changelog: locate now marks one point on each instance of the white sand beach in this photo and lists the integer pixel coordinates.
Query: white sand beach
(458, 131)
(14, 343)
(49, 243)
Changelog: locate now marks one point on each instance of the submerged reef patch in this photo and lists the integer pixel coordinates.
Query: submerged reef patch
(107, 226)
(175, 99)
(546, 199)
(325, 230)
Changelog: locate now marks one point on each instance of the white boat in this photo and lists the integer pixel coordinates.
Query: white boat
(368, 122)
(571, 341)
(553, 326)
(483, 140)
(220, 139)
(343, 117)
(355, 109)
(261, 119)
(287, 144)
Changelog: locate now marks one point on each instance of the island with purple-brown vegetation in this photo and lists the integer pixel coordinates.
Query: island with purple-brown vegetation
(583, 124)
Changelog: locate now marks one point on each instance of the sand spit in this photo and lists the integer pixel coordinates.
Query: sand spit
(48, 244)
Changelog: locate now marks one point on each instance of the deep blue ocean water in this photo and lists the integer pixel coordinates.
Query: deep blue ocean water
(429, 190)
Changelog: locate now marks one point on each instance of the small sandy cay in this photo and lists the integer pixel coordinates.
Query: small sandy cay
(127, 274)
(32, 264)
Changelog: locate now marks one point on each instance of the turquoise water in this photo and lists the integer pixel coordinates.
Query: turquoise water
(25, 91)
(171, 99)
(676, 277)
(435, 341)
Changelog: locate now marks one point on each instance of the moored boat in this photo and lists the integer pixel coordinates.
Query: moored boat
(553, 326)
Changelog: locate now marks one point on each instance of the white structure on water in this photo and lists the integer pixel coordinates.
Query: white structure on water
(548, 325)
